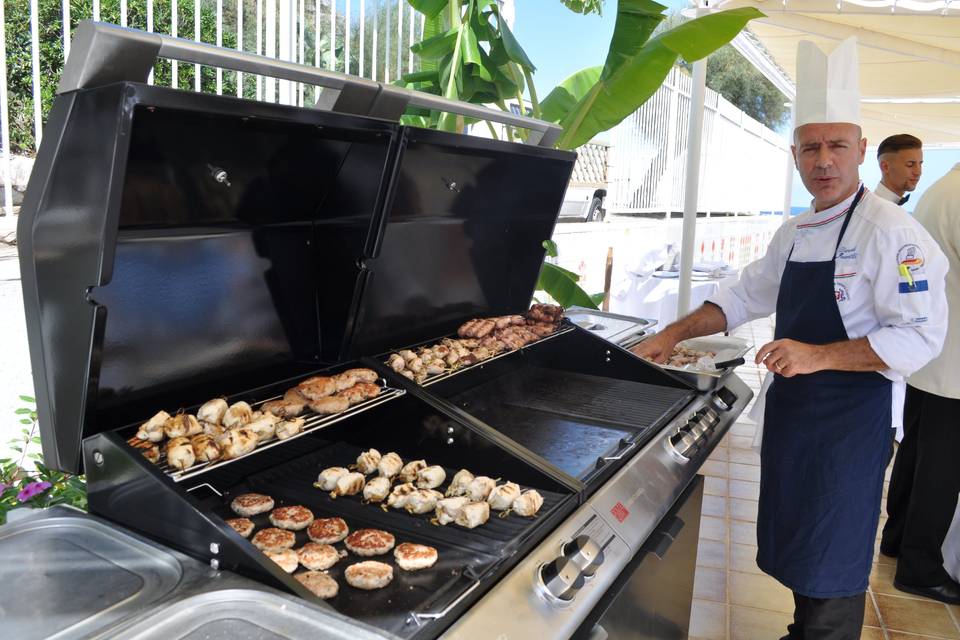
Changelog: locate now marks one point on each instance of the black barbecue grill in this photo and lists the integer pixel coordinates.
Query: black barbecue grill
(177, 247)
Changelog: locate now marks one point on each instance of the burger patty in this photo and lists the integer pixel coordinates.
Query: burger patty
(294, 518)
(412, 557)
(243, 526)
(271, 539)
(370, 542)
(287, 559)
(320, 584)
(328, 530)
(318, 557)
(369, 575)
(250, 504)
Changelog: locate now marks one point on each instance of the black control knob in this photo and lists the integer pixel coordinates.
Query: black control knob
(724, 399)
(584, 553)
(560, 579)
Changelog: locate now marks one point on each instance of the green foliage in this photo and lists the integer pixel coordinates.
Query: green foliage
(733, 77)
(561, 284)
(40, 487)
(584, 6)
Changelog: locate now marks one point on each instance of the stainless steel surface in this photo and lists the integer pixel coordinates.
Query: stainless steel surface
(612, 327)
(585, 553)
(726, 347)
(559, 580)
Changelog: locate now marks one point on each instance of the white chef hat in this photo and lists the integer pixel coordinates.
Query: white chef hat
(828, 85)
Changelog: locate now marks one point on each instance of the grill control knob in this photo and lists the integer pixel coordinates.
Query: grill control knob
(559, 580)
(584, 553)
(724, 399)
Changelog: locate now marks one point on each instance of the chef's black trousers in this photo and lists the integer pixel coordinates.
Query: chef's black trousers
(923, 488)
(826, 618)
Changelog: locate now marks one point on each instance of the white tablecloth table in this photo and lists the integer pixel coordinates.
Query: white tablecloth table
(656, 298)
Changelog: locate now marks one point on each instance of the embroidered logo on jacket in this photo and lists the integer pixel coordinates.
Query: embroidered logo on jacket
(910, 256)
(847, 253)
(840, 292)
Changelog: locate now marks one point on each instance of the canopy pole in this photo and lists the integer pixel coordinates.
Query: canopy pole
(692, 185)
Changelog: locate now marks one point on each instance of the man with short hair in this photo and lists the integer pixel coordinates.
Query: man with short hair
(901, 164)
(858, 289)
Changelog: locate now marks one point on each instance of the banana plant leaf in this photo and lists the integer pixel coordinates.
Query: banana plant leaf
(557, 283)
(429, 8)
(565, 95)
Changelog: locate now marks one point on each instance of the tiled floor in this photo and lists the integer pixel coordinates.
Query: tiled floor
(733, 599)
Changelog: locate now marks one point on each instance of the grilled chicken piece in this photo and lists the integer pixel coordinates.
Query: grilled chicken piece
(528, 504)
(367, 461)
(407, 355)
(422, 501)
(317, 387)
(549, 313)
(448, 509)
(376, 489)
(411, 469)
(364, 375)
(283, 408)
(542, 329)
(289, 428)
(389, 465)
(460, 485)
(330, 405)
(182, 424)
(349, 484)
(180, 453)
(431, 477)
(212, 411)
(353, 395)
(237, 415)
(502, 497)
(400, 495)
(396, 362)
(473, 515)
(237, 442)
(264, 425)
(149, 450)
(152, 429)
(345, 380)
(211, 429)
(329, 476)
(369, 390)
(205, 448)
(480, 488)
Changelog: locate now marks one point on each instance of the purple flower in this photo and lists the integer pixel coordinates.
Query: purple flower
(32, 490)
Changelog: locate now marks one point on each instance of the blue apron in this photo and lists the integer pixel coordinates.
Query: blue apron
(826, 438)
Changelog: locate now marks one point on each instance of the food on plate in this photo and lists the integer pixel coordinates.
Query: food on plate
(293, 518)
(376, 489)
(349, 484)
(237, 415)
(152, 429)
(289, 428)
(449, 508)
(272, 539)
(528, 503)
(243, 526)
(422, 501)
(480, 488)
(264, 425)
(212, 411)
(363, 374)
(431, 477)
(329, 405)
(317, 387)
(328, 530)
(319, 584)
(205, 448)
(411, 469)
(368, 460)
(473, 515)
(286, 558)
(236, 442)
(460, 485)
(318, 557)
(369, 575)
(503, 496)
(389, 465)
(180, 453)
(251, 504)
(413, 557)
(400, 495)
(327, 479)
(182, 424)
(369, 542)
(683, 356)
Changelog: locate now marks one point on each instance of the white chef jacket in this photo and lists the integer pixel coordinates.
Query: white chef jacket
(939, 213)
(904, 324)
(887, 194)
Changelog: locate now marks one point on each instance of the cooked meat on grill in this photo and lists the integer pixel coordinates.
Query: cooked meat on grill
(272, 539)
(408, 374)
(473, 515)
(542, 330)
(294, 396)
(390, 465)
(205, 448)
(349, 484)
(369, 542)
(289, 428)
(212, 411)
(353, 395)
(460, 485)
(480, 488)
(317, 387)
(287, 559)
(211, 429)
(182, 424)
(152, 429)
(283, 408)
(376, 489)
(408, 355)
(449, 508)
(243, 526)
(330, 405)
(411, 469)
(329, 476)
(368, 460)
(364, 375)
(345, 380)
(264, 425)
(237, 442)
(413, 557)
(318, 557)
(369, 575)
(396, 362)
(503, 496)
(528, 504)
(180, 453)
(431, 477)
(237, 415)
(415, 364)
(400, 495)
(149, 450)
(368, 389)
(549, 313)
(319, 584)
(422, 501)
(293, 518)
(328, 530)
(251, 504)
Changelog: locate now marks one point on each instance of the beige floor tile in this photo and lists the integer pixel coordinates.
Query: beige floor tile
(715, 506)
(741, 429)
(870, 616)
(756, 624)
(760, 592)
(713, 486)
(708, 620)
(740, 442)
(715, 468)
(871, 633)
(710, 584)
(899, 635)
(744, 472)
(721, 454)
(881, 580)
(923, 617)
(711, 553)
(745, 456)
(744, 489)
(879, 558)
(713, 528)
(742, 532)
(743, 558)
(743, 509)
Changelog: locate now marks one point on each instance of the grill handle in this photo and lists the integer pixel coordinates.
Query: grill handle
(440, 614)
(103, 53)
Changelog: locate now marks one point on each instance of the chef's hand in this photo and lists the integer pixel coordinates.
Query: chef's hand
(656, 348)
(789, 357)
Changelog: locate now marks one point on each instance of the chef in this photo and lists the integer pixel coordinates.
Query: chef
(901, 165)
(858, 289)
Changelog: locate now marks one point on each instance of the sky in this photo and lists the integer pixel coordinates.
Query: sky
(560, 42)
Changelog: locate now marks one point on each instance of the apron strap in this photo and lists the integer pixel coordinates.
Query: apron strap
(843, 229)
